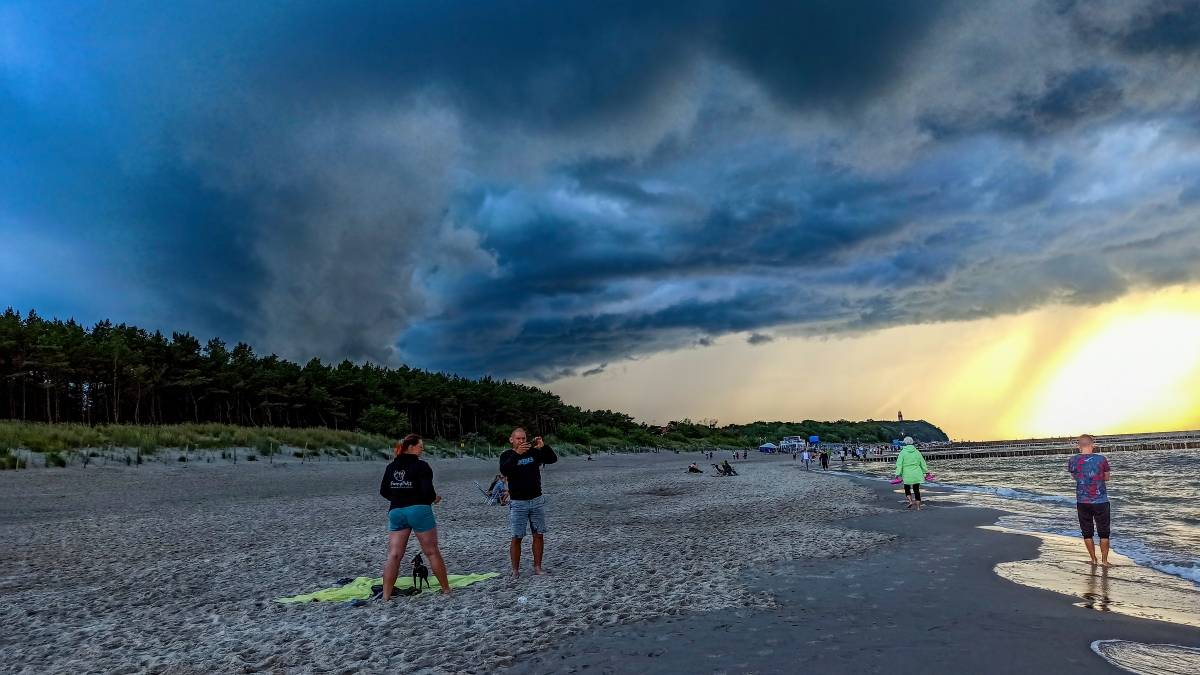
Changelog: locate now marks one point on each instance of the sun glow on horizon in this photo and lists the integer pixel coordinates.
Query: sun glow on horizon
(1124, 371)
(1126, 366)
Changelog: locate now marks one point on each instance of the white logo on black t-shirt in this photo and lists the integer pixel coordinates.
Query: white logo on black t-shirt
(398, 481)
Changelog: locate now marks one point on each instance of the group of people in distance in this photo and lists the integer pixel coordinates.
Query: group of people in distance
(407, 484)
(821, 454)
(722, 469)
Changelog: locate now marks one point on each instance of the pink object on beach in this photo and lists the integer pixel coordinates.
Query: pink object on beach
(929, 476)
(895, 481)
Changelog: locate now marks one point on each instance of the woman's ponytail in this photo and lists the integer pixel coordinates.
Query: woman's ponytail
(406, 443)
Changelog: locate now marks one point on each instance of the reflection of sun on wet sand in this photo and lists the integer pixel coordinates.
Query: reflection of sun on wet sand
(1125, 587)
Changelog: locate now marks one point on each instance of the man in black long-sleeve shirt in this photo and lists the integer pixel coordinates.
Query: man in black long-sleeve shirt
(527, 505)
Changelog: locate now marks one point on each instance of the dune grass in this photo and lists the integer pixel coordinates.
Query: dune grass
(78, 442)
(27, 444)
(40, 437)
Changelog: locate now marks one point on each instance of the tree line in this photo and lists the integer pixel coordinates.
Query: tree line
(61, 371)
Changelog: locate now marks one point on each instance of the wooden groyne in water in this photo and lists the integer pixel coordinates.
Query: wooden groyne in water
(1178, 440)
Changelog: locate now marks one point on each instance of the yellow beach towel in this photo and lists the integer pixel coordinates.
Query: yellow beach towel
(360, 588)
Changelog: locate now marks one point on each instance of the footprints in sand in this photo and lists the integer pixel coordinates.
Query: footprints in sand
(667, 546)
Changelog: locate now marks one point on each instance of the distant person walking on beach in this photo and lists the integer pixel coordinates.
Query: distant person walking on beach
(824, 460)
(911, 468)
(526, 503)
(1091, 473)
(408, 486)
(806, 457)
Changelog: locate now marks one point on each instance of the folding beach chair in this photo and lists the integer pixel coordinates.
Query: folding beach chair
(486, 497)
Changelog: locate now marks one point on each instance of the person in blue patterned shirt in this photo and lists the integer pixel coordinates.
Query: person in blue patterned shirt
(1091, 472)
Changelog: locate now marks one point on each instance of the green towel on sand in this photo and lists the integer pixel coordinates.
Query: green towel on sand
(360, 588)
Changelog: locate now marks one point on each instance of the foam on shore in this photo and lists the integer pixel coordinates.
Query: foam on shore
(1149, 659)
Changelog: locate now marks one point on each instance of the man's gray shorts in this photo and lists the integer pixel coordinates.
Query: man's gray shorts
(525, 513)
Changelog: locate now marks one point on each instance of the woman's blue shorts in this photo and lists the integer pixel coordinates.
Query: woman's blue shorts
(419, 518)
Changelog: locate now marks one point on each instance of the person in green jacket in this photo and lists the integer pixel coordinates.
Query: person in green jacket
(911, 468)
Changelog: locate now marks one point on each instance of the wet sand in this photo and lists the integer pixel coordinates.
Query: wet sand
(173, 568)
(1124, 587)
(928, 601)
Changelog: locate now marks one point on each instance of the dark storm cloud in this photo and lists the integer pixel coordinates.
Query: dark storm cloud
(195, 252)
(535, 188)
(759, 339)
(544, 64)
(1064, 100)
(826, 53)
(594, 371)
(1068, 98)
(1170, 26)
(536, 62)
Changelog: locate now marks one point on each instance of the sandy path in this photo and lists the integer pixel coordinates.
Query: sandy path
(172, 568)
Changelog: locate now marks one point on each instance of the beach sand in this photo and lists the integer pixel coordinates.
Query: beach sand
(173, 568)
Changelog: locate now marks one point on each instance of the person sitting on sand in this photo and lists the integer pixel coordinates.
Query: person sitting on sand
(727, 468)
(692, 468)
(498, 490)
(408, 486)
(911, 467)
(1091, 472)
(526, 504)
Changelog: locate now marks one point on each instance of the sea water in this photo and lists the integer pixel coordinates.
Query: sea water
(1154, 495)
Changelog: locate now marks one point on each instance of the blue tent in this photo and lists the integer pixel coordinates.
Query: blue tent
(814, 440)
(767, 447)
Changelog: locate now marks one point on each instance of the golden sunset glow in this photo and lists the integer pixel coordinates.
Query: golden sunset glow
(1127, 366)
(1133, 367)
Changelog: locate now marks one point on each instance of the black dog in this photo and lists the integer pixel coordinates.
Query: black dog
(420, 573)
